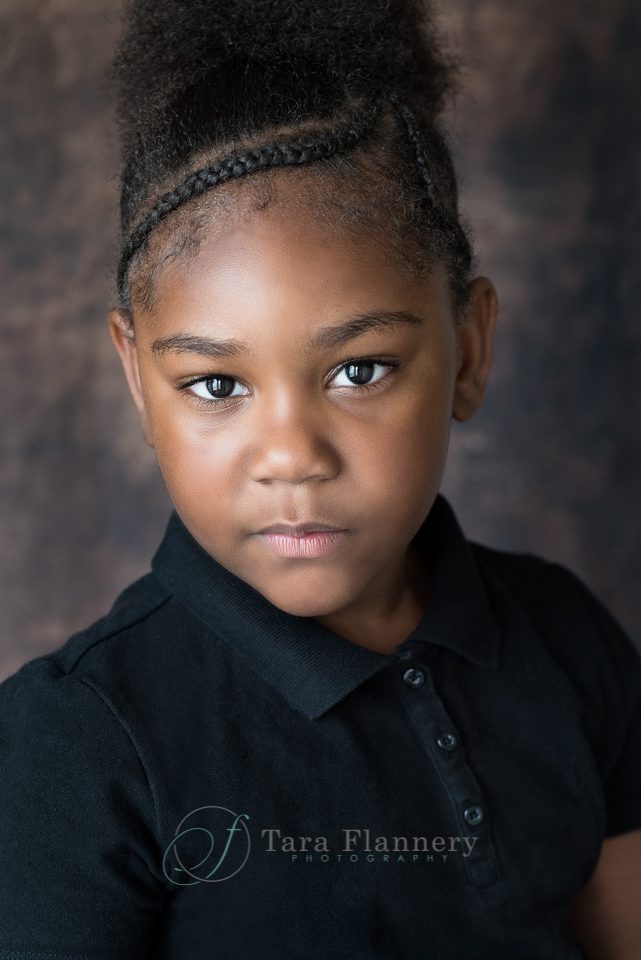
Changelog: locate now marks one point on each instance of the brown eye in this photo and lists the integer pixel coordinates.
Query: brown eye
(361, 372)
(219, 387)
(214, 389)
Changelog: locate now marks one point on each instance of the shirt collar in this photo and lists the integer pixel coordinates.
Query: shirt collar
(312, 667)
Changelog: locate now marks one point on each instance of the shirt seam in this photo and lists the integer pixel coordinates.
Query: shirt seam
(117, 630)
(90, 684)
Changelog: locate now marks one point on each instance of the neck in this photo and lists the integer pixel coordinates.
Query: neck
(383, 631)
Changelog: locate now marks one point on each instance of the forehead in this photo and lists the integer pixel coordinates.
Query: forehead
(310, 200)
(277, 278)
(275, 255)
(264, 261)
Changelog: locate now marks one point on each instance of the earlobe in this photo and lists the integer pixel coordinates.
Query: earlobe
(122, 336)
(475, 335)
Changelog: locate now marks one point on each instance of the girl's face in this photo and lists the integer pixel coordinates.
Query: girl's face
(285, 375)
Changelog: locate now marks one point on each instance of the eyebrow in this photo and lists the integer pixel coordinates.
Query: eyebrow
(325, 338)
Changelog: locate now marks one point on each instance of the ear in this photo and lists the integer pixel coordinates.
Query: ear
(475, 333)
(122, 334)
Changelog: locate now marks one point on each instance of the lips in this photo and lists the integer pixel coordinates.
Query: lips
(301, 529)
(303, 541)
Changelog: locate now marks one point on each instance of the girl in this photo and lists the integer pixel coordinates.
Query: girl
(325, 724)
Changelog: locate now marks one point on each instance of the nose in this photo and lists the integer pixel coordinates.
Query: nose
(292, 445)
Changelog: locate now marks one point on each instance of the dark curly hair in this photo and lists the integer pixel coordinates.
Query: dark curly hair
(353, 90)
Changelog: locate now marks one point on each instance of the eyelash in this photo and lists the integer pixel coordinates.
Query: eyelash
(223, 402)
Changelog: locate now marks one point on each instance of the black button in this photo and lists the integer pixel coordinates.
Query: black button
(447, 741)
(474, 815)
(414, 677)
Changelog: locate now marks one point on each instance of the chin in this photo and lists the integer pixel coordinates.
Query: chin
(302, 605)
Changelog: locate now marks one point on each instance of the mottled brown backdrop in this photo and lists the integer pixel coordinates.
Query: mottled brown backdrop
(548, 135)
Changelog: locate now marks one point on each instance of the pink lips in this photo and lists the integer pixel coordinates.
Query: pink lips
(302, 540)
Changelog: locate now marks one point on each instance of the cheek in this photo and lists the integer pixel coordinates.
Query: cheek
(195, 452)
(407, 455)
(417, 428)
(393, 464)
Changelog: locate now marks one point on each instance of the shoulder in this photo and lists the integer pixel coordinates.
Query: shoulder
(579, 632)
(57, 701)
(72, 768)
(78, 696)
(532, 579)
(108, 647)
(565, 611)
(130, 613)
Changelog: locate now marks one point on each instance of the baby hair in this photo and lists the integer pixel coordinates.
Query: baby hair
(210, 92)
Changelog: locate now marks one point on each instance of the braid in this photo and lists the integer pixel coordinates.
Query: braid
(238, 165)
(414, 135)
(461, 252)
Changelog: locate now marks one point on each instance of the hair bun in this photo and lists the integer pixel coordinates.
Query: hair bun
(191, 57)
(205, 89)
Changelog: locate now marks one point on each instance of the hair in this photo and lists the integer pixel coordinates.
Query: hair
(351, 91)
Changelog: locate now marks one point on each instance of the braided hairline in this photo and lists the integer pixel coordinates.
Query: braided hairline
(259, 158)
(296, 152)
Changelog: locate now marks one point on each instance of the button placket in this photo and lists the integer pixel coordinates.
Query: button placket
(441, 742)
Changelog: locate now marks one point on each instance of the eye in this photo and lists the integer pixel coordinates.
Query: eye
(213, 390)
(360, 369)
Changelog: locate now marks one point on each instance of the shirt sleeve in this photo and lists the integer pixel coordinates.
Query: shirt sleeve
(78, 858)
(616, 670)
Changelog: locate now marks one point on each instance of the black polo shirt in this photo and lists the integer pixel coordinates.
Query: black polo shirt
(199, 774)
